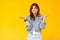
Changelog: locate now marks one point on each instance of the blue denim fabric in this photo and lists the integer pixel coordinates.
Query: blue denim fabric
(34, 37)
(36, 25)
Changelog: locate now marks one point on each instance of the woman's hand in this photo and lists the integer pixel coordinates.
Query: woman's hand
(44, 17)
(22, 17)
(27, 23)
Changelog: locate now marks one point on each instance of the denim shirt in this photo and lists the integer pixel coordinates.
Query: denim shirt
(36, 25)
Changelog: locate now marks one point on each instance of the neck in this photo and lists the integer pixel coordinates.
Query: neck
(34, 15)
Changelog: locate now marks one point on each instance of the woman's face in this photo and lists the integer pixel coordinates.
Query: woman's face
(34, 10)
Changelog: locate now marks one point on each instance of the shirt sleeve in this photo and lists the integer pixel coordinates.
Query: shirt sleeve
(28, 24)
(42, 24)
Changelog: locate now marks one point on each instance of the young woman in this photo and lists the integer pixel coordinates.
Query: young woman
(35, 22)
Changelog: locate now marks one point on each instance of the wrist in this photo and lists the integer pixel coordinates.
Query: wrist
(25, 20)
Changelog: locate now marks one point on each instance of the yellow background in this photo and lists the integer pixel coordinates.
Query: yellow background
(13, 28)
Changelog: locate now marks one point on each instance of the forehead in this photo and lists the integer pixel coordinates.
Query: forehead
(34, 6)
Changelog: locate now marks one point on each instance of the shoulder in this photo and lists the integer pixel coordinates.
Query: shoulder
(40, 17)
(28, 17)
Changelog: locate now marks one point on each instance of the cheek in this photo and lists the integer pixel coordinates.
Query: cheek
(34, 10)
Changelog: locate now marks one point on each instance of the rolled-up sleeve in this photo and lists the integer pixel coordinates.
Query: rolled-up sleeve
(28, 24)
(42, 24)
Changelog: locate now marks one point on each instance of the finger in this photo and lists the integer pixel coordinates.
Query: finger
(46, 15)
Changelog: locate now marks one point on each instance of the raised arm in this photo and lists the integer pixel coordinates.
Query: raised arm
(22, 17)
(43, 23)
(28, 23)
(44, 17)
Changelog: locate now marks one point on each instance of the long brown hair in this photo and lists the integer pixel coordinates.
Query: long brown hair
(31, 14)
